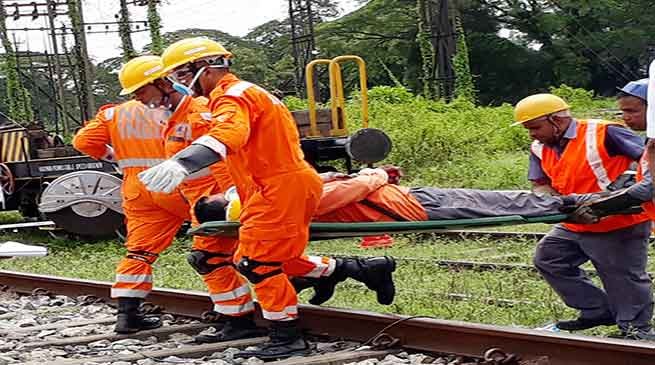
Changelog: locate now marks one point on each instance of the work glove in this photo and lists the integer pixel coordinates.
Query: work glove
(110, 155)
(164, 177)
(584, 214)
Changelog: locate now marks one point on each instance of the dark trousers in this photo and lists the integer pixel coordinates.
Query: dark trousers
(619, 257)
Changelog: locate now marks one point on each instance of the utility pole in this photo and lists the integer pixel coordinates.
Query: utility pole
(301, 18)
(443, 43)
(124, 31)
(52, 8)
(87, 107)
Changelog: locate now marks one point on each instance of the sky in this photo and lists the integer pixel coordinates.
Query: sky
(233, 17)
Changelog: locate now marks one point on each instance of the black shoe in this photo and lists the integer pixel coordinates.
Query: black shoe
(585, 323)
(130, 320)
(234, 328)
(286, 340)
(374, 272)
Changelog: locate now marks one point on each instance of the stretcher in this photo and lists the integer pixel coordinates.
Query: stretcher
(322, 231)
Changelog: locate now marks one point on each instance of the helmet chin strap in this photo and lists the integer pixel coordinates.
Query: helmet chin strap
(196, 77)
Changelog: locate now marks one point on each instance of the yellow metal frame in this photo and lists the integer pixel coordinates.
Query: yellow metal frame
(337, 99)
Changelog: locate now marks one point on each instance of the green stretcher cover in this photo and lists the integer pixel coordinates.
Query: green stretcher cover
(320, 231)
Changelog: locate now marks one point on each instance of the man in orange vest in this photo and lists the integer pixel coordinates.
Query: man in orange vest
(585, 156)
(135, 133)
(256, 135)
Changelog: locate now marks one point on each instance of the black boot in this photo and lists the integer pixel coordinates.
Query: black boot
(374, 272)
(286, 340)
(582, 323)
(130, 320)
(233, 329)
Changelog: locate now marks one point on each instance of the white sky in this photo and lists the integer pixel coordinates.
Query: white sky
(233, 17)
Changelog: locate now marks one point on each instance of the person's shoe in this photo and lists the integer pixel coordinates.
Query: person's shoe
(582, 323)
(234, 328)
(286, 340)
(130, 320)
(646, 334)
(375, 272)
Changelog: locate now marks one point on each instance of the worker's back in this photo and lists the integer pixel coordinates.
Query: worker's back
(133, 130)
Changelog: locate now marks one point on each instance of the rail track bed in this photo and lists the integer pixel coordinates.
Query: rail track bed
(52, 320)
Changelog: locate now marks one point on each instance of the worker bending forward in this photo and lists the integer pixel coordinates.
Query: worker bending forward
(586, 156)
(255, 134)
(153, 219)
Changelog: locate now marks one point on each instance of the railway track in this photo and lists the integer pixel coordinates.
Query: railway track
(343, 336)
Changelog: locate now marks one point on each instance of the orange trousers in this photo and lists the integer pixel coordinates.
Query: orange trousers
(153, 219)
(275, 229)
(229, 291)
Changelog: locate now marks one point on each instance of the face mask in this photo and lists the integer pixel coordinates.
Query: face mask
(182, 89)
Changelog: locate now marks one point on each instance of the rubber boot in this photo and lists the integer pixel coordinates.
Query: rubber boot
(374, 272)
(130, 320)
(235, 327)
(286, 340)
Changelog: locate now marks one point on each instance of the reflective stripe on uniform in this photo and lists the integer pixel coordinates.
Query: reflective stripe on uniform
(109, 113)
(593, 156)
(238, 88)
(206, 115)
(537, 148)
(139, 162)
(288, 313)
(643, 162)
(234, 309)
(233, 294)
(126, 278)
(128, 293)
(322, 268)
(198, 174)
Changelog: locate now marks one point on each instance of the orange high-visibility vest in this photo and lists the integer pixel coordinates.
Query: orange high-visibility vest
(585, 166)
(648, 207)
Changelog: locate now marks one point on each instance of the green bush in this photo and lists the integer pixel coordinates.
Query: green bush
(455, 144)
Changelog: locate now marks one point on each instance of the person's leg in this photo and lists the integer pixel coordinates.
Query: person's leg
(213, 259)
(558, 258)
(620, 257)
(471, 203)
(150, 230)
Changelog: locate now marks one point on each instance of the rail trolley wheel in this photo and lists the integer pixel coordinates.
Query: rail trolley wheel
(7, 181)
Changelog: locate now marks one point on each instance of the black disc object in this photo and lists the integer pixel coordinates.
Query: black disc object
(368, 145)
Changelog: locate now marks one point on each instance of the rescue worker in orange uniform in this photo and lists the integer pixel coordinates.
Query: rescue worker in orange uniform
(211, 257)
(256, 135)
(135, 133)
(585, 156)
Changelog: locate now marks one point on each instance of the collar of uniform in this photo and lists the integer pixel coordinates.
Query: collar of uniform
(226, 81)
(572, 131)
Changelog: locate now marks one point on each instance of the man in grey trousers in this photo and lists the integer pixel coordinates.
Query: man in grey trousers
(575, 156)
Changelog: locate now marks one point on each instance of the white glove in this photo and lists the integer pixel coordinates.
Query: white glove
(110, 155)
(164, 177)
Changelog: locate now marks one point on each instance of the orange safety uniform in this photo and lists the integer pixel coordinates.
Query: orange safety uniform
(342, 201)
(585, 166)
(279, 191)
(135, 132)
(229, 291)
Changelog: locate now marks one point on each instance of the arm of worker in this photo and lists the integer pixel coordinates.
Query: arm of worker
(338, 194)
(623, 141)
(94, 139)
(230, 132)
(538, 178)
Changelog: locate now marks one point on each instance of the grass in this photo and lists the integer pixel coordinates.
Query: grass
(423, 288)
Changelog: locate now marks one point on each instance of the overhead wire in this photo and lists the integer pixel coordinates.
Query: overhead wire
(590, 34)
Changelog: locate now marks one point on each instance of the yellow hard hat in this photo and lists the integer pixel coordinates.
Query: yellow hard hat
(138, 72)
(538, 105)
(190, 49)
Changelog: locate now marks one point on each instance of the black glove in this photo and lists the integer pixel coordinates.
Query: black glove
(583, 214)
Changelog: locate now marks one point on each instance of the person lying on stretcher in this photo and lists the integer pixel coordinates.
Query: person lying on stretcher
(373, 195)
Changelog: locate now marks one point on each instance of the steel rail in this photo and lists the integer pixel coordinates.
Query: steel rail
(423, 334)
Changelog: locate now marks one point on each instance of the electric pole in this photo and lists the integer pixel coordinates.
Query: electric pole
(52, 9)
(301, 18)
